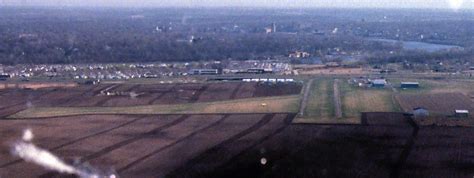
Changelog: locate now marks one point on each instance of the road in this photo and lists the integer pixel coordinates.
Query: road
(337, 99)
(304, 101)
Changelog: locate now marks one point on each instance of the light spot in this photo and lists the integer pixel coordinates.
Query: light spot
(263, 161)
(456, 4)
(27, 135)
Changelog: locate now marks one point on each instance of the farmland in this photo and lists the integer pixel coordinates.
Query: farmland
(321, 104)
(106, 126)
(118, 140)
(224, 129)
(286, 104)
(354, 100)
(440, 103)
(167, 98)
(357, 100)
(381, 149)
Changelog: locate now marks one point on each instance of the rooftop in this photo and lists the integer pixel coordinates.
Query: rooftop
(460, 111)
(379, 81)
(410, 83)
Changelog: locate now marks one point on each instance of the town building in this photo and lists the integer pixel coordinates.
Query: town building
(299, 54)
(461, 113)
(409, 85)
(4, 77)
(379, 83)
(204, 72)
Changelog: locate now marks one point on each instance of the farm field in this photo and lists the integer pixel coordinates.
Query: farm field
(283, 104)
(357, 100)
(354, 100)
(437, 86)
(118, 141)
(127, 95)
(438, 103)
(386, 148)
(203, 130)
(106, 126)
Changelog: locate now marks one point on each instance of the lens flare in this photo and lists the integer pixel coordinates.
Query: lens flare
(456, 4)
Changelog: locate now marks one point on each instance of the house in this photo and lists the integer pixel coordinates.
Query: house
(409, 85)
(461, 113)
(379, 83)
(420, 112)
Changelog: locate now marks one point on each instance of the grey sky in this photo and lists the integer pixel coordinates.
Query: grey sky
(463, 4)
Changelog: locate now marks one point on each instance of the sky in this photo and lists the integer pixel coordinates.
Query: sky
(444, 4)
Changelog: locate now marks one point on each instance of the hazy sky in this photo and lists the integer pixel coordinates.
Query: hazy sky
(454, 4)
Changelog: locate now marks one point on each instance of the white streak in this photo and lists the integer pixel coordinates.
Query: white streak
(31, 153)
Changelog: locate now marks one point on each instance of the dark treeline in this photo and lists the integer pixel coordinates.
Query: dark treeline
(146, 35)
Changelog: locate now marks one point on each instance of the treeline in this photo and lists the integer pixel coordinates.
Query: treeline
(148, 35)
(130, 41)
(423, 57)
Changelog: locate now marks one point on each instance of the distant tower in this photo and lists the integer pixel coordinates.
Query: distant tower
(274, 27)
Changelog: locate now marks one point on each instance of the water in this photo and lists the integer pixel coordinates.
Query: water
(415, 45)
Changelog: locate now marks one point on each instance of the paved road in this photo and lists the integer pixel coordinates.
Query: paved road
(304, 101)
(337, 99)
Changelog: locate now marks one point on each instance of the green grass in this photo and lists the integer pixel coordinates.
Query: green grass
(320, 102)
(356, 100)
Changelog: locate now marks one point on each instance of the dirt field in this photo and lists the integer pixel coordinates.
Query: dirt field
(136, 146)
(34, 85)
(233, 145)
(119, 95)
(308, 70)
(282, 104)
(440, 103)
(142, 145)
(391, 149)
(90, 95)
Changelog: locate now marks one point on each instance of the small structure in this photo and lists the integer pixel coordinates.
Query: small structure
(299, 54)
(379, 83)
(409, 85)
(461, 113)
(420, 112)
(4, 77)
(226, 78)
(91, 82)
(204, 72)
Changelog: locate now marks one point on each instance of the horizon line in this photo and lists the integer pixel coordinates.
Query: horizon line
(231, 6)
